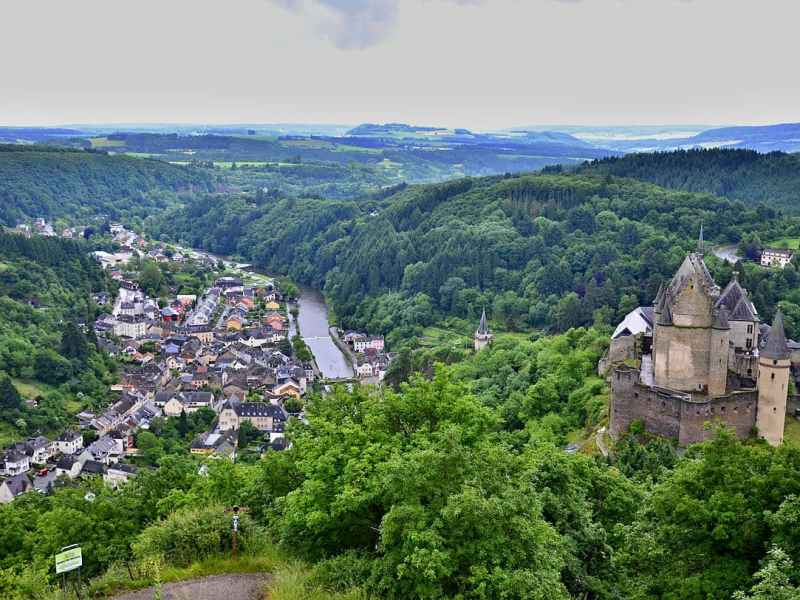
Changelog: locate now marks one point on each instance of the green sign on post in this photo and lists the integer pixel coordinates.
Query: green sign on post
(68, 560)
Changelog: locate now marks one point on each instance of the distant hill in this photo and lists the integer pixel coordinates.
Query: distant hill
(767, 138)
(390, 129)
(783, 137)
(41, 181)
(745, 175)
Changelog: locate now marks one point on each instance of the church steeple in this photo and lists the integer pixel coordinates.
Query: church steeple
(482, 328)
(701, 247)
(482, 335)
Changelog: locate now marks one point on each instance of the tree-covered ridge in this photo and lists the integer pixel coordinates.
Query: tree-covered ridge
(45, 294)
(549, 250)
(745, 175)
(37, 181)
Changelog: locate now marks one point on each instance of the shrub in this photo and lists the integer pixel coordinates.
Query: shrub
(187, 536)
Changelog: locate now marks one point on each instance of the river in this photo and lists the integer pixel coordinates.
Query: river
(315, 330)
(314, 326)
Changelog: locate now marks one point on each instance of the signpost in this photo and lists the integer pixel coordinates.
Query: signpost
(69, 559)
(235, 527)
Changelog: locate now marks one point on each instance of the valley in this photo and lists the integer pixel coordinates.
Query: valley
(143, 328)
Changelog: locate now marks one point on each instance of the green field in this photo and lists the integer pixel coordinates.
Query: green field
(31, 389)
(788, 243)
(104, 142)
(791, 432)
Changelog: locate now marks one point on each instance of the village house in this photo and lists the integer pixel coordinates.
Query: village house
(118, 474)
(13, 487)
(266, 417)
(69, 442)
(216, 444)
(776, 257)
(15, 462)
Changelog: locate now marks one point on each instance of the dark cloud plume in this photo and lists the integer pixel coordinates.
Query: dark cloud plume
(354, 24)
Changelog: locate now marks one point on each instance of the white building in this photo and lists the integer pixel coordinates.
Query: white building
(69, 442)
(775, 257)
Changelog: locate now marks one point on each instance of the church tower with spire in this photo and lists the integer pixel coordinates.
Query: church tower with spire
(483, 336)
(773, 383)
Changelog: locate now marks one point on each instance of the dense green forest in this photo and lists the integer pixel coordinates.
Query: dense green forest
(745, 175)
(41, 181)
(542, 251)
(45, 296)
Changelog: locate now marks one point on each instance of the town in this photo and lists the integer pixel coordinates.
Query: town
(229, 357)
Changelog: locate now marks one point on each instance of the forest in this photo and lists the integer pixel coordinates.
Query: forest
(76, 185)
(45, 299)
(752, 177)
(547, 251)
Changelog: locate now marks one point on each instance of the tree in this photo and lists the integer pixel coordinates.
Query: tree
(183, 424)
(52, 368)
(773, 579)
(569, 312)
(10, 398)
(151, 278)
(73, 343)
(248, 434)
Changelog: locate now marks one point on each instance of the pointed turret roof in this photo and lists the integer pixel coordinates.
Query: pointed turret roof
(734, 297)
(776, 347)
(482, 328)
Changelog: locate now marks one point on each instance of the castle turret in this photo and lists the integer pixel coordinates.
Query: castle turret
(483, 336)
(773, 383)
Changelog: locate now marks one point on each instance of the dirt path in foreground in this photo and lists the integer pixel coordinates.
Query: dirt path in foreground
(247, 586)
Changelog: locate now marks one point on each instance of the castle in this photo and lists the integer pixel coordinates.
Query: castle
(696, 357)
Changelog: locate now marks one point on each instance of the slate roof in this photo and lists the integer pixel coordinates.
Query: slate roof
(482, 327)
(735, 299)
(92, 467)
(776, 347)
(18, 484)
(692, 269)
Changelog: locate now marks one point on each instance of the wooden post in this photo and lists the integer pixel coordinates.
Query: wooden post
(234, 541)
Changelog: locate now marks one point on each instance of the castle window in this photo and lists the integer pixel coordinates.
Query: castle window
(749, 329)
(774, 361)
(636, 394)
(773, 376)
(749, 343)
(722, 409)
(774, 409)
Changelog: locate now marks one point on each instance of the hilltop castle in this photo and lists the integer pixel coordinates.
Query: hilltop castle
(696, 356)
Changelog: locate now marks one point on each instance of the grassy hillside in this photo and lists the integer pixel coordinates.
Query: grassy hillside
(39, 181)
(772, 179)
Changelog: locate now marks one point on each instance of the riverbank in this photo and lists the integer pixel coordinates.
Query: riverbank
(313, 321)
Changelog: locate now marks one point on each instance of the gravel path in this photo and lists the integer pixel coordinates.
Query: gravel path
(217, 587)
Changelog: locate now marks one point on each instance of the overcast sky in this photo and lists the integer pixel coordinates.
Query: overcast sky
(473, 63)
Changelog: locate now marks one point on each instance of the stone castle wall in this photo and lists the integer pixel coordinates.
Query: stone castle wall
(676, 416)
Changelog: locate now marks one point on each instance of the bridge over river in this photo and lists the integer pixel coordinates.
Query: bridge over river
(314, 329)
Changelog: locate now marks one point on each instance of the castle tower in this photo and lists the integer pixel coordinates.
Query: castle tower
(483, 336)
(691, 334)
(773, 384)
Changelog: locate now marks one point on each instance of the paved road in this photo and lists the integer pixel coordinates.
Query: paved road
(728, 253)
(248, 586)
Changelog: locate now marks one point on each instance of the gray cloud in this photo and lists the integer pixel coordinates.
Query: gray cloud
(354, 24)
